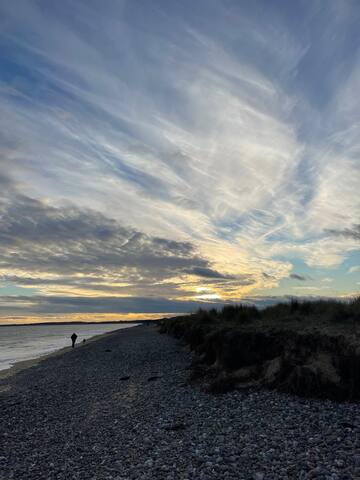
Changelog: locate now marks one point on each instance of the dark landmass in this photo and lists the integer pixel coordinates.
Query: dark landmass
(307, 348)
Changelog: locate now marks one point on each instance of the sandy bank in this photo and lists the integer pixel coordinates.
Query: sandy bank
(298, 355)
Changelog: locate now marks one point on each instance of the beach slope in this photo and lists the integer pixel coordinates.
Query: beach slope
(120, 408)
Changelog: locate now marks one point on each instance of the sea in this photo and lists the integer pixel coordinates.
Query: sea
(25, 342)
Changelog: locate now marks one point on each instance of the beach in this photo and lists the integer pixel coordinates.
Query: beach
(22, 343)
(121, 408)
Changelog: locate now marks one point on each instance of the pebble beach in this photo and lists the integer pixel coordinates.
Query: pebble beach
(120, 408)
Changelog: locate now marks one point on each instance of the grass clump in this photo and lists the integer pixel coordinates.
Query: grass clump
(325, 310)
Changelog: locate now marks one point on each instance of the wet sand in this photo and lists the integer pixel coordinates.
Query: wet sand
(23, 365)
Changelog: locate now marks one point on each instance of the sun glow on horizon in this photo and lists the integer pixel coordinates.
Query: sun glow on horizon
(89, 317)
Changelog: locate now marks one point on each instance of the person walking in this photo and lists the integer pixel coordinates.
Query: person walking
(73, 339)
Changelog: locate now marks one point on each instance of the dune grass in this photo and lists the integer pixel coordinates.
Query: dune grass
(309, 348)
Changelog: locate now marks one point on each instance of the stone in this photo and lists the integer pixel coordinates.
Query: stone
(258, 476)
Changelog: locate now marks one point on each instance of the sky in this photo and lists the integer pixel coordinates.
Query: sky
(157, 156)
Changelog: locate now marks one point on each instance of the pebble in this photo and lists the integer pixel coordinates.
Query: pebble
(258, 476)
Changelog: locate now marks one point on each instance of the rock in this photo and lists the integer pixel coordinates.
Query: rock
(258, 476)
(315, 472)
(347, 425)
(175, 427)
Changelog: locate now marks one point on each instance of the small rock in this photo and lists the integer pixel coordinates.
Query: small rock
(314, 472)
(347, 425)
(176, 427)
(258, 476)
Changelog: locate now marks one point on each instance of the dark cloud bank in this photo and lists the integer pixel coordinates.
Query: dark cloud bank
(36, 237)
(352, 233)
(295, 276)
(44, 246)
(38, 305)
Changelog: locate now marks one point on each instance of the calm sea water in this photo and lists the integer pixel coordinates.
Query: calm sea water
(24, 342)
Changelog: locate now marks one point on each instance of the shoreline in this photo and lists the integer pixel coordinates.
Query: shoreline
(32, 362)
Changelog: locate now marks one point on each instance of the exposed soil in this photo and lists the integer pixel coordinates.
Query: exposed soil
(309, 363)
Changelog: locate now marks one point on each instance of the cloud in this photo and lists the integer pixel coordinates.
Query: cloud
(208, 273)
(313, 288)
(353, 269)
(353, 233)
(21, 306)
(295, 276)
(36, 237)
(80, 251)
(43, 305)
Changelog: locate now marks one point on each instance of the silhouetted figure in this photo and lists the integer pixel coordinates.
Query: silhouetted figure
(73, 339)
